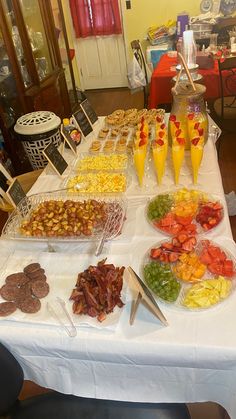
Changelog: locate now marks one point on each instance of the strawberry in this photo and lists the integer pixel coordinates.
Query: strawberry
(178, 132)
(173, 257)
(160, 142)
(189, 244)
(161, 134)
(158, 119)
(201, 131)
(155, 253)
(182, 237)
(190, 229)
(164, 257)
(176, 242)
(212, 221)
(173, 118)
(217, 205)
(196, 125)
(190, 116)
(163, 126)
(177, 124)
(142, 142)
(181, 141)
(195, 141)
(167, 246)
(143, 135)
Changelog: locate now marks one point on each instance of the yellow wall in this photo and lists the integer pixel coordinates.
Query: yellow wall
(146, 13)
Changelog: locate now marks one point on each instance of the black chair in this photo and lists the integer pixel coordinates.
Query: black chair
(138, 53)
(227, 71)
(55, 405)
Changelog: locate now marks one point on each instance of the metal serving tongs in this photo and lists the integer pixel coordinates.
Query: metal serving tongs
(54, 309)
(143, 293)
(77, 187)
(104, 235)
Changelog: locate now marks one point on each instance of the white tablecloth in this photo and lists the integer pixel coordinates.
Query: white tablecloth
(193, 359)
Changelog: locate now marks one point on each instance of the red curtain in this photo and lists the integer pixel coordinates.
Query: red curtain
(95, 17)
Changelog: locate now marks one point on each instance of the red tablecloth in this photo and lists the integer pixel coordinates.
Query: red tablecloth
(161, 81)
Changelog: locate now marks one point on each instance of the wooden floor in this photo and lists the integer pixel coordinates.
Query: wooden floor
(106, 101)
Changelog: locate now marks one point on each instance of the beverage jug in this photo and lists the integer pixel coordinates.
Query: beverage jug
(188, 117)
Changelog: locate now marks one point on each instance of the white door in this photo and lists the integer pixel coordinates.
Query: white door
(102, 61)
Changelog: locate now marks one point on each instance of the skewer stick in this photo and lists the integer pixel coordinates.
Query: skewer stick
(187, 71)
(177, 78)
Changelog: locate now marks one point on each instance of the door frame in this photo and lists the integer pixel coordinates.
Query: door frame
(78, 50)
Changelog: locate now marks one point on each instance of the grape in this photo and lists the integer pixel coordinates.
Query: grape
(159, 207)
(161, 281)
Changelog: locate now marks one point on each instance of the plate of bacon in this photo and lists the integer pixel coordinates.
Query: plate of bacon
(99, 293)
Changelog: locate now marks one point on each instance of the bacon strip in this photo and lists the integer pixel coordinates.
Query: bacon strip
(97, 290)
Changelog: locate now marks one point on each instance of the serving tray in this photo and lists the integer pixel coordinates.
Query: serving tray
(61, 217)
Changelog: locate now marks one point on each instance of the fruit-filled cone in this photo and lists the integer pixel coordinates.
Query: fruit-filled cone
(159, 158)
(139, 163)
(196, 158)
(177, 157)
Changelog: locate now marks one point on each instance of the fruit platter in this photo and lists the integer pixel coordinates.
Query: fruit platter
(59, 217)
(185, 211)
(195, 278)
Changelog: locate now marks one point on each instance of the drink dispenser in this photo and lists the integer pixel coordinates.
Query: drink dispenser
(188, 117)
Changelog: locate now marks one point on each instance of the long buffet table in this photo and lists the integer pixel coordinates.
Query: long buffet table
(191, 360)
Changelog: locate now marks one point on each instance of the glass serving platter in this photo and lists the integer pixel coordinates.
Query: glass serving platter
(96, 182)
(184, 211)
(195, 280)
(105, 162)
(60, 217)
